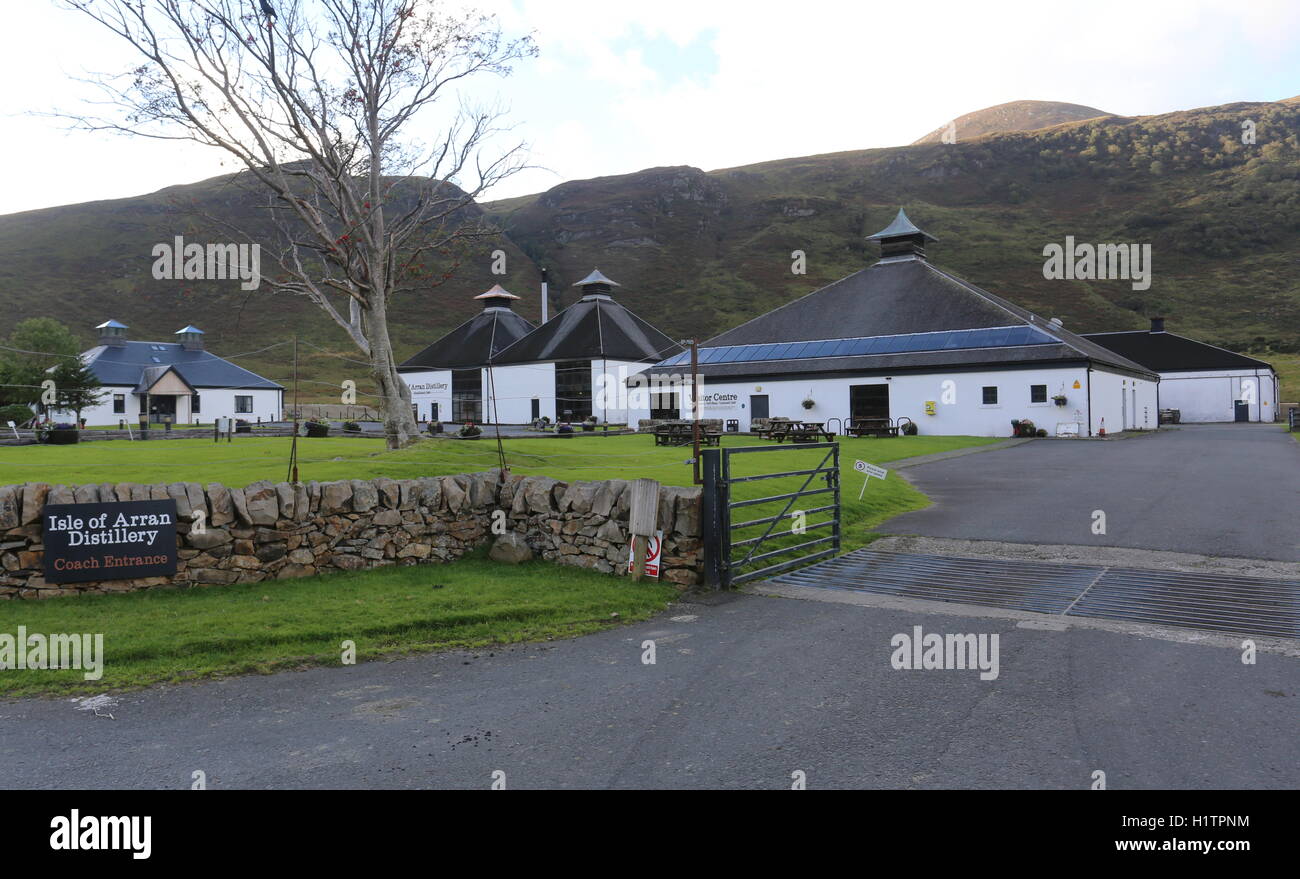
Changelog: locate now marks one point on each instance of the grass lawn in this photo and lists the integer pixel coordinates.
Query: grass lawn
(184, 634)
(249, 459)
(169, 635)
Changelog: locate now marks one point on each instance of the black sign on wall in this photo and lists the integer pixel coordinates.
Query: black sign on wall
(119, 541)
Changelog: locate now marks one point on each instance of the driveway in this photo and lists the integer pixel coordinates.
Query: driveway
(745, 690)
(1215, 489)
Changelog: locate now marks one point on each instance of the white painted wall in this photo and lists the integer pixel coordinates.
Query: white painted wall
(516, 386)
(428, 387)
(213, 403)
(1123, 401)
(1209, 395)
(959, 407)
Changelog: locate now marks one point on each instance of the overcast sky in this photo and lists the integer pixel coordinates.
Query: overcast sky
(621, 86)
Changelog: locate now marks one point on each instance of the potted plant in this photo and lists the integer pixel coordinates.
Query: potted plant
(470, 430)
(434, 428)
(1025, 428)
(317, 427)
(564, 429)
(808, 403)
(1042, 432)
(589, 424)
(1058, 399)
(351, 427)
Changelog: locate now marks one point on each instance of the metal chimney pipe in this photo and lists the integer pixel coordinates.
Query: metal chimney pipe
(545, 297)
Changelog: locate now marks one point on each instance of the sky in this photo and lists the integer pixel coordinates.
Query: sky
(618, 87)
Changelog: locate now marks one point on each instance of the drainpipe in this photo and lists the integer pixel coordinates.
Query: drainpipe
(1088, 381)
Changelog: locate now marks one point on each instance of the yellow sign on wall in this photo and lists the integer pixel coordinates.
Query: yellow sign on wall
(929, 407)
(1077, 385)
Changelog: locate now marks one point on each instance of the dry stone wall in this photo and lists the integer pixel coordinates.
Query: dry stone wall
(269, 531)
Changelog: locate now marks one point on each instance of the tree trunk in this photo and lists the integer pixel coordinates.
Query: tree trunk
(400, 429)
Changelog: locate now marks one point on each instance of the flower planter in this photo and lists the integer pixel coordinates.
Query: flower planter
(63, 436)
(435, 428)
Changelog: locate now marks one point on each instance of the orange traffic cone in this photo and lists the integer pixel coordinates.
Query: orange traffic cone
(1102, 430)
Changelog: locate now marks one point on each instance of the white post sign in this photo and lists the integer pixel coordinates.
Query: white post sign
(870, 470)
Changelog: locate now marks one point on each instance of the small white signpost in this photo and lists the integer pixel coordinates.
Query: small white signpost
(870, 470)
(15, 430)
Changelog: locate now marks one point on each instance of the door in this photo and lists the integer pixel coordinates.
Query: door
(758, 406)
(869, 401)
(537, 409)
(1241, 410)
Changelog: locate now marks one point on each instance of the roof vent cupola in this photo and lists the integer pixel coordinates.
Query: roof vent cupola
(112, 333)
(497, 297)
(902, 238)
(191, 337)
(596, 284)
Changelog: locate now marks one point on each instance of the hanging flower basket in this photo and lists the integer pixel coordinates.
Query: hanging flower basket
(809, 403)
(1059, 399)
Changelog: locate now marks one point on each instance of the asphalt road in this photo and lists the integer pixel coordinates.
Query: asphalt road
(1215, 489)
(744, 692)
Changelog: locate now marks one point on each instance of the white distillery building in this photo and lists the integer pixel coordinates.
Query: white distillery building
(905, 338)
(499, 369)
(1203, 382)
(447, 378)
(180, 381)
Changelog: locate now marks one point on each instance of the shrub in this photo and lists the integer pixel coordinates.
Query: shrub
(909, 429)
(17, 413)
(351, 427)
(470, 430)
(317, 427)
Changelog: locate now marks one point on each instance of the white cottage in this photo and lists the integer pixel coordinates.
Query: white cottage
(177, 381)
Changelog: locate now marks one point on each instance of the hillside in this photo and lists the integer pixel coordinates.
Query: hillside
(1012, 116)
(702, 251)
(698, 252)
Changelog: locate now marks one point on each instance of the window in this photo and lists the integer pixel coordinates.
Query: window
(573, 390)
(466, 395)
(1038, 393)
(243, 405)
(990, 395)
(194, 404)
(119, 404)
(664, 404)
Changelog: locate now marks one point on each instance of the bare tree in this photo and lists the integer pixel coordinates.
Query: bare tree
(318, 101)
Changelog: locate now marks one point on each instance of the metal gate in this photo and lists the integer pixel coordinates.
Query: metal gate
(741, 520)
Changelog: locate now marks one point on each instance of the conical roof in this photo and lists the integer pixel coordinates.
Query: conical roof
(902, 227)
(475, 342)
(595, 327)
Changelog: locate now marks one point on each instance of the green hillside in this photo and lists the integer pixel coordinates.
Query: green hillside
(698, 252)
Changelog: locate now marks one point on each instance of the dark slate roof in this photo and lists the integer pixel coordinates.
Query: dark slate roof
(473, 343)
(126, 364)
(902, 297)
(1167, 352)
(592, 328)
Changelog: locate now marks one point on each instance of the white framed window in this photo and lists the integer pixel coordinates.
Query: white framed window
(989, 395)
(243, 405)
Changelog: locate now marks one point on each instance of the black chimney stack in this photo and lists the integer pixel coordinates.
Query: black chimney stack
(1157, 324)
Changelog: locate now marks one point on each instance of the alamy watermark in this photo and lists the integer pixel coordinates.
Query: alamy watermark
(949, 651)
(1101, 262)
(178, 261)
(50, 652)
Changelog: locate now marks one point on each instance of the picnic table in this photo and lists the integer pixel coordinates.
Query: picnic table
(680, 434)
(803, 432)
(880, 427)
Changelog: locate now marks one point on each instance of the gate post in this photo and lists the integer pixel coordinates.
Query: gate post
(713, 501)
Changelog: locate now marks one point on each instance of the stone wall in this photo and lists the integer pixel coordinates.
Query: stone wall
(273, 531)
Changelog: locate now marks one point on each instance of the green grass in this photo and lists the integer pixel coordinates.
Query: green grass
(172, 635)
(249, 459)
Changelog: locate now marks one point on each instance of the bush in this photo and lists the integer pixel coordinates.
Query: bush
(351, 427)
(470, 431)
(317, 427)
(17, 413)
(434, 428)
(1042, 431)
(909, 429)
